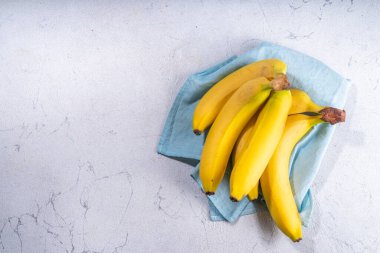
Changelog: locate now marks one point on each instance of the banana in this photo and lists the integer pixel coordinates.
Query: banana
(243, 139)
(240, 145)
(266, 135)
(254, 193)
(274, 182)
(213, 101)
(301, 102)
(241, 106)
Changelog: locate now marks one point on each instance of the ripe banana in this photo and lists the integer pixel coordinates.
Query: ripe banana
(213, 101)
(266, 135)
(302, 103)
(274, 182)
(240, 145)
(241, 106)
(254, 193)
(243, 139)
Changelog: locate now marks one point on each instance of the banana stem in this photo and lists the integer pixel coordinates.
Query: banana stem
(329, 115)
(333, 115)
(311, 114)
(280, 82)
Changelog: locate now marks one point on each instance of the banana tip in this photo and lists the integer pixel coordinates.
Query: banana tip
(197, 132)
(297, 240)
(210, 193)
(233, 199)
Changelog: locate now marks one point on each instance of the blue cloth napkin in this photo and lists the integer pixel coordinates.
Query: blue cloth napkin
(325, 87)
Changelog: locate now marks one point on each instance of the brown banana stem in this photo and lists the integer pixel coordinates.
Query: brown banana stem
(280, 82)
(333, 115)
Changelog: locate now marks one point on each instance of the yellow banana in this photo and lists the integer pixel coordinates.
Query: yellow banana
(213, 101)
(266, 135)
(241, 106)
(302, 102)
(243, 139)
(254, 193)
(240, 145)
(274, 182)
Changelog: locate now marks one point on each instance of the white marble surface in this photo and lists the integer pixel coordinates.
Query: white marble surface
(85, 87)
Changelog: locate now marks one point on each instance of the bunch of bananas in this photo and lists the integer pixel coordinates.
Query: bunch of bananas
(256, 120)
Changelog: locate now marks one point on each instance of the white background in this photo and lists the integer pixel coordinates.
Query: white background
(85, 88)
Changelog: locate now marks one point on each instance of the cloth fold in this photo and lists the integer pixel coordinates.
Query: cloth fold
(325, 87)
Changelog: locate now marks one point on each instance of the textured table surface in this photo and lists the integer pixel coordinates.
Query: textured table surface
(85, 88)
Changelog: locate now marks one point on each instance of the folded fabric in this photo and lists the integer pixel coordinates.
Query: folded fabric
(325, 87)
